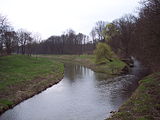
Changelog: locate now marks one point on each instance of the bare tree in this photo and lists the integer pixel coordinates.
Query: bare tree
(100, 26)
(9, 41)
(4, 26)
(24, 38)
(93, 36)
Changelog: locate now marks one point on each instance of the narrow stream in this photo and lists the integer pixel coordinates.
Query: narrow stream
(81, 95)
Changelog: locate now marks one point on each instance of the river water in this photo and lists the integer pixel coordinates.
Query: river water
(81, 95)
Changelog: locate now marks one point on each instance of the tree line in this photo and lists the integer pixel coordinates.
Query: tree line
(128, 36)
(137, 36)
(13, 41)
(25, 42)
(67, 43)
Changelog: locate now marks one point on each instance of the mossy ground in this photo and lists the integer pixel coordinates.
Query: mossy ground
(144, 104)
(23, 76)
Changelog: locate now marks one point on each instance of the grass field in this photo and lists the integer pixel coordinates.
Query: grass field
(23, 76)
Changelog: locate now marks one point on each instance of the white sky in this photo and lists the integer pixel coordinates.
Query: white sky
(53, 17)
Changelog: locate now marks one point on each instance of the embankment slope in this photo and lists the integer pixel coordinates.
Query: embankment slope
(21, 77)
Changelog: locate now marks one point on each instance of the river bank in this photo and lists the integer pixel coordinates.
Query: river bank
(22, 77)
(112, 69)
(144, 104)
(16, 93)
(82, 94)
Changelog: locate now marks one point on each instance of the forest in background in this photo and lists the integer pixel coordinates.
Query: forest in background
(137, 36)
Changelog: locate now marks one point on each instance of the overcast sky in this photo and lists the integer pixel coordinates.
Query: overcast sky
(53, 17)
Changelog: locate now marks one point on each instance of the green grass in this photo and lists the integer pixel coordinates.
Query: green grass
(110, 68)
(23, 76)
(18, 68)
(113, 67)
(73, 57)
(5, 103)
(144, 103)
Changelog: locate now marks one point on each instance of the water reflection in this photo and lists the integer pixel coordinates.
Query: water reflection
(81, 95)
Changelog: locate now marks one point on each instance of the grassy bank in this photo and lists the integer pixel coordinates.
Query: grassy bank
(110, 68)
(22, 77)
(144, 104)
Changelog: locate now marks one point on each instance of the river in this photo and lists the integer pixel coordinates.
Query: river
(81, 95)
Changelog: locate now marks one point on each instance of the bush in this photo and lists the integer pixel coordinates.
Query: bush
(103, 53)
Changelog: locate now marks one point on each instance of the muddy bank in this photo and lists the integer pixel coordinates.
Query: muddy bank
(20, 92)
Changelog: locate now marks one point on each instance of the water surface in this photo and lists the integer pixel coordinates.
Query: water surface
(81, 95)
